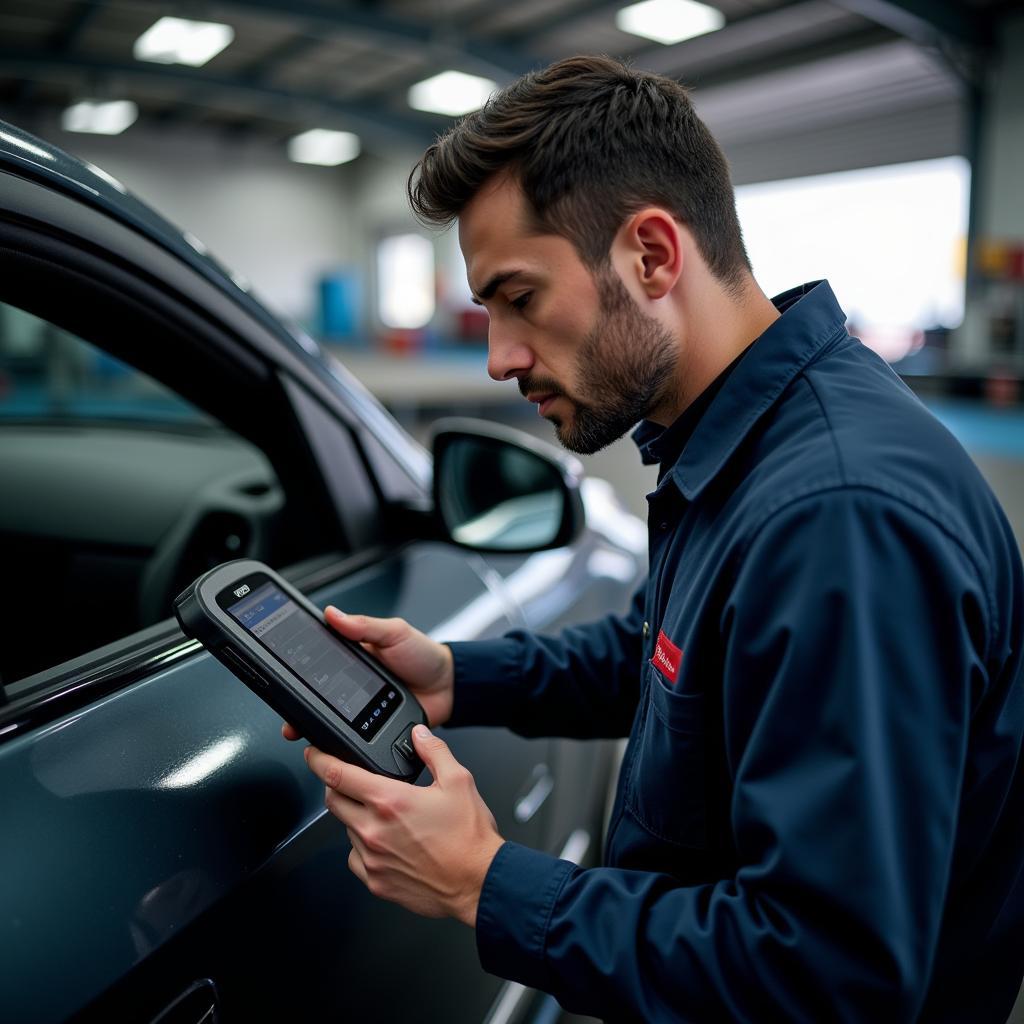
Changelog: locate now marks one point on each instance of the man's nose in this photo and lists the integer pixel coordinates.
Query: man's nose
(507, 357)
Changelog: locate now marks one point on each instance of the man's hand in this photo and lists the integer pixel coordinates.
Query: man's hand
(425, 848)
(424, 665)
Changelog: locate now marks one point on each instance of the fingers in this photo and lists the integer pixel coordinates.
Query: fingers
(348, 811)
(348, 779)
(330, 771)
(289, 732)
(356, 865)
(367, 630)
(438, 758)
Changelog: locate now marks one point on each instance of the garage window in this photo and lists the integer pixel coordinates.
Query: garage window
(405, 281)
(889, 239)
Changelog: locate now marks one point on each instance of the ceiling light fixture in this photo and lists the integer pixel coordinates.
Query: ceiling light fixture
(100, 117)
(180, 41)
(669, 21)
(323, 147)
(451, 92)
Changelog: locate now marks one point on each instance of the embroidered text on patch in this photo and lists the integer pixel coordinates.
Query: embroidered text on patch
(667, 657)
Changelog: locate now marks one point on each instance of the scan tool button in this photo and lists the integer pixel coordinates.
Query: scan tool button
(405, 752)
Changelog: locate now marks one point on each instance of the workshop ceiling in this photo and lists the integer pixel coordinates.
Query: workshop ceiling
(300, 64)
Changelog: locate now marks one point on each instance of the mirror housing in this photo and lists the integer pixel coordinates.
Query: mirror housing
(501, 491)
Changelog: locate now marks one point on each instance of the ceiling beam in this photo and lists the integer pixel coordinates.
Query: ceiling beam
(749, 44)
(67, 36)
(582, 9)
(300, 108)
(794, 56)
(534, 30)
(928, 22)
(428, 38)
(291, 49)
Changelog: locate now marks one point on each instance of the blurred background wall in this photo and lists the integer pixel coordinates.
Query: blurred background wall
(879, 143)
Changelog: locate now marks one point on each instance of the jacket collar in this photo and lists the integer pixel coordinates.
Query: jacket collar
(811, 318)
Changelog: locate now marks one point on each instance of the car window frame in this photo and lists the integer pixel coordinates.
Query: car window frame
(54, 249)
(81, 681)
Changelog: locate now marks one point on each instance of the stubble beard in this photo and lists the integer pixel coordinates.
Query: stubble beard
(626, 367)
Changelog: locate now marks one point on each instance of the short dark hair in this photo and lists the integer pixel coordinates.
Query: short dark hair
(590, 141)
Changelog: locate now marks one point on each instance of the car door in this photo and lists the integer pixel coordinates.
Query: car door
(165, 849)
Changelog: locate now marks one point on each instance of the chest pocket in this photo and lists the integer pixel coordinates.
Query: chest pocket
(666, 791)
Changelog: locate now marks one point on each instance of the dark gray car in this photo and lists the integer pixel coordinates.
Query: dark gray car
(164, 851)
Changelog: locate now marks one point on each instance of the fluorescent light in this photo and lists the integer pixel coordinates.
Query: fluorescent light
(320, 146)
(99, 117)
(669, 21)
(180, 41)
(451, 92)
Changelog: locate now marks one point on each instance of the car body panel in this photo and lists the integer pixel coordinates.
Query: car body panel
(136, 814)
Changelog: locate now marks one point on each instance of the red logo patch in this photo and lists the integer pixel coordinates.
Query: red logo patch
(667, 657)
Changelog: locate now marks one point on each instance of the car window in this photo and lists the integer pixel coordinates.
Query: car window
(48, 374)
(116, 493)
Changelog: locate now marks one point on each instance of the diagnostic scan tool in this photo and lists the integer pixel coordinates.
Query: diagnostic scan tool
(339, 697)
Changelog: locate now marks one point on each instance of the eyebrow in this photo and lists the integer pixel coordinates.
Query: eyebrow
(495, 283)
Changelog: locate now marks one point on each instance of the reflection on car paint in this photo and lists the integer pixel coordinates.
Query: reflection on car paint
(611, 564)
(181, 897)
(538, 575)
(203, 764)
(607, 516)
(24, 144)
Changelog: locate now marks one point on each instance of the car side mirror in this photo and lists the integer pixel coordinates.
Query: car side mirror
(500, 490)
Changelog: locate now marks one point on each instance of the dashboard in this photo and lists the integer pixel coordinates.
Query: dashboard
(101, 525)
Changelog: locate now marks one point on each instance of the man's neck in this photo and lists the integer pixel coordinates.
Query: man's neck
(719, 327)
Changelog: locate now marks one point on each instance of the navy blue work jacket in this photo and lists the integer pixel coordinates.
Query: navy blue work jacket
(820, 813)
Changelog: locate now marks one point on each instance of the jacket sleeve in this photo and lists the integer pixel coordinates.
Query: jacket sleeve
(854, 640)
(583, 683)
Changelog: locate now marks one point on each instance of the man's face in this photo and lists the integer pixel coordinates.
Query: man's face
(576, 342)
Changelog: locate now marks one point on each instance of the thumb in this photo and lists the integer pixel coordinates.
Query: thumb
(364, 628)
(435, 754)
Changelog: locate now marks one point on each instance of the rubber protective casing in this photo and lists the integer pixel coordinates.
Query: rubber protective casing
(230, 643)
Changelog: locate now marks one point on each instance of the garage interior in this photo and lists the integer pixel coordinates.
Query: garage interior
(828, 110)
(798, 93)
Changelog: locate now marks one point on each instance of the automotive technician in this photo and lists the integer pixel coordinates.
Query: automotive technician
(820, 814)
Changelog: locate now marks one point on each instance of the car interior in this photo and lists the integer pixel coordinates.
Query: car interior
(117, 490)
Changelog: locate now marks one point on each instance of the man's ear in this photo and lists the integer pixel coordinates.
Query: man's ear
(653, 243)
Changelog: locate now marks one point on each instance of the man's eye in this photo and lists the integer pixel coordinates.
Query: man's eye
(520, 301)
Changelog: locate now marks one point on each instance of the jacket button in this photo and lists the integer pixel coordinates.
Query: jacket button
(663, 526)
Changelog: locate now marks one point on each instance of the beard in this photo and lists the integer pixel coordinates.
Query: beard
(627, 363)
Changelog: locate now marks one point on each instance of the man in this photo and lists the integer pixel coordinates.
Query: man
(820, 815)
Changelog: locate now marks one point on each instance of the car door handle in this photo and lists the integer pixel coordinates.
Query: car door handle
(537, 789)
(198, 1004)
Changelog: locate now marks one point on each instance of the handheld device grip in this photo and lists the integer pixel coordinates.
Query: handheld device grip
(277, 643)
